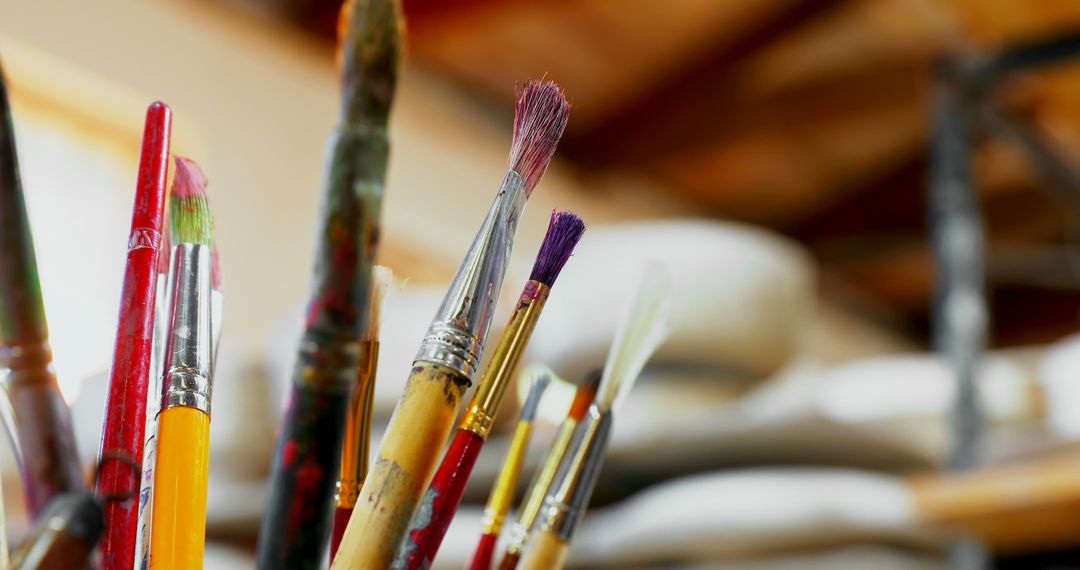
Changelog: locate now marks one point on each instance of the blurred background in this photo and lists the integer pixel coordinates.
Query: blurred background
(777, 152)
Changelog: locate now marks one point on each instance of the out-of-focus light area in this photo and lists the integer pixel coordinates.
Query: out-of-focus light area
(778, 155)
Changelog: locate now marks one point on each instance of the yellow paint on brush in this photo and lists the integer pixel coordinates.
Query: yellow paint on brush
(545, 552)
(406, 461)
(178, 535)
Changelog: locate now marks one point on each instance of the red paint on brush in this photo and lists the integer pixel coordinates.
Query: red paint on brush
(341, 520)
(539, 121)
(485, 553)
(125, 418)
(440, 503)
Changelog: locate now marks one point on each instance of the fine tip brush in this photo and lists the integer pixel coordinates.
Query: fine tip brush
(544, 478)
(178, 512)
(440, 502)
(296, 523)
(502, 494)
(130, 377)
(450, 351)
(642, 331)
(355, 447)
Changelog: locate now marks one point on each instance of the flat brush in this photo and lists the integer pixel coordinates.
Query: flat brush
(544, 478)
(129, 380)
(356, 446)
(178, 511)
(441, 500)
(297, 521)
(65, 536)
(50, 461)
(451, 349)
(502, 494)
(641, 333)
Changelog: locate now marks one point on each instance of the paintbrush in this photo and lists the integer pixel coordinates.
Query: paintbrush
(355, 448)
(642, 331)
(153, 402)
(50, 460)
(451, 349)
(297, 520)
(502, 494)
(125, 419)
(65, 535)
(440, 502)
(178, 512)
(544, 478)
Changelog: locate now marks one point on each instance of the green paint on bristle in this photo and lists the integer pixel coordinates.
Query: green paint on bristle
(190, 217)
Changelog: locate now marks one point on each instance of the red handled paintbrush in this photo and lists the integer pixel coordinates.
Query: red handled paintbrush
(433, 517)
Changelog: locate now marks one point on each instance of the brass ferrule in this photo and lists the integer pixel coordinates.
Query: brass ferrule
(27, 363)
(188, 378)
(355, 447)
(480, 414)
(502, 495)
(459, 330)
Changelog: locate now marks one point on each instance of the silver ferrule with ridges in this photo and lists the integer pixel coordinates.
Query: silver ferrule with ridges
(459, 330)
(188, 352)
(563, 509)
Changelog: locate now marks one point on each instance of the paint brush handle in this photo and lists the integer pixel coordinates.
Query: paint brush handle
(441, 501)
(545, 552)
(305, 468)
(406, 461)
(485, 553)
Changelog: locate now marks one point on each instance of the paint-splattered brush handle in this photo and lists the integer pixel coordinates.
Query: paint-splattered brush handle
(125, 419)
(484, 556)
(405, 463)
(432, 518)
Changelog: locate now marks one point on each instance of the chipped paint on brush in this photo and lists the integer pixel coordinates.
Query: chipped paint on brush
(124, 432)
(391, 493)
(49, 461)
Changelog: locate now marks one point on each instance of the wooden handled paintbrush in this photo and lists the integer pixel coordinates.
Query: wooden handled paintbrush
(432, 519)
(178, 515)
(642, 331)
(296, 523)
(451, 349)
(502, 493)
(50, 461)
(125, 420)
(356, 446)
(544, 478)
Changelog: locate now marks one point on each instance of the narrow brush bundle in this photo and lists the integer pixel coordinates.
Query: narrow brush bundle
(441, 500)
(544, 478)
(451, 349)
(641, 333)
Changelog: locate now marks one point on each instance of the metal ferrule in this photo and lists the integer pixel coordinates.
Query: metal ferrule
(187, 380)
(480, 414)
(29, 363)
(544, 481)
(217, 314)
(459, 330)
(502, 496)
(355, 447)
(563, 509)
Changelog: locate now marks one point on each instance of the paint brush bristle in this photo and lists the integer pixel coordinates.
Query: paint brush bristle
(563, 234)
(642, 331)
(191, 218)
(539, 121)
(532, 401)
(584, 396)
(382, 279)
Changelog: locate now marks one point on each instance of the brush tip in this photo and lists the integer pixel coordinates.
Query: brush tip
(532, 401)
(563, 234)
(382, 278)
(585, 395)
(539, 121)
(190, 217)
